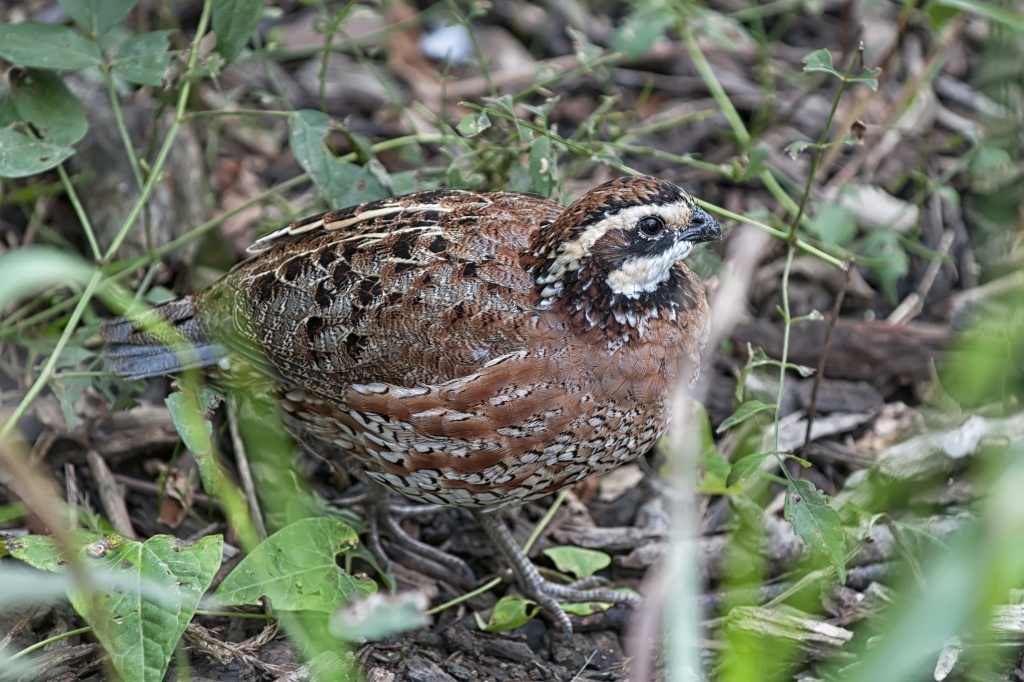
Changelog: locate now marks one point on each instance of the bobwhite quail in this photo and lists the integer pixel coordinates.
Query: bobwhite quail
(469, 349)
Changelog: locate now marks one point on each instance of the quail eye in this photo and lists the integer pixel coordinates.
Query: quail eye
(651, 226)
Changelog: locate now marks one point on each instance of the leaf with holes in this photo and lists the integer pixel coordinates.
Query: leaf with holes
(472, 125)
(817, 524)
(43, 552)
(41, 99)
(296, 568)
(21, 155)
(157, 589)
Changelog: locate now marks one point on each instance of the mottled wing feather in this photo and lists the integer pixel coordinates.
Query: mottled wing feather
(415, 290)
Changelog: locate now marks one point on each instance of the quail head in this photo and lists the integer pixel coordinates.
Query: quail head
(468, 349)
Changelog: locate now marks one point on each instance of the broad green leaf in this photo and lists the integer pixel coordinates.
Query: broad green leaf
(509, 613)
(161, 581)
(578, 561)
(743, 413)
(342, 183)
(98, 16)
(42, 99)
(817, 524)
(744, 468)
(43, 552)
(47, 46)
(379, 616)
(834, 225)
(296, 568)
(474, 124)
(233, 22)
(142, 59)
(21, 155)
(820, 60)
(30, 269)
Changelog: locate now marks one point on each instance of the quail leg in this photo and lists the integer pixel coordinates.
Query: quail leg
(384, 516)
(544, 592)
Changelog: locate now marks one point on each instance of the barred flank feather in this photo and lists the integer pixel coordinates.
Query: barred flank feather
(138, 354)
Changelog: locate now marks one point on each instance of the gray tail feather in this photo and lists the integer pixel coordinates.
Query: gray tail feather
(136, 351)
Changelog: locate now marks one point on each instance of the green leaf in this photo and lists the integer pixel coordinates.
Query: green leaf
(868, 77)
(542, 166)
(744, 468)
(98, 16)
(21, 155)
(30, 269)
(473, 124)
(834, 225)
(69, 390)
(379, 616)
(744, 412)
(42, 551)
(142, 59)
(817, 523)
(578, 561)
(757, 158)
(233, 22)
(587, 608)
(140, 631)
(342, 183)
(13, 512)
(296, 568)
(509, 613)
(820, 60)
(793, 149)
(889, 261)
(42, 99)
(640, 31)
(189, 407)
(47, 46)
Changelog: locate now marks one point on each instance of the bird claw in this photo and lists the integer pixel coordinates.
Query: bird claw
(550, 595)
(546, 593)
(383, 518)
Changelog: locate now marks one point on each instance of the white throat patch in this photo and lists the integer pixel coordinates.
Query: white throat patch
(645, 274)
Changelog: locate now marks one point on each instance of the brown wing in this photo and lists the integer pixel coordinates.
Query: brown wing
(419, 289)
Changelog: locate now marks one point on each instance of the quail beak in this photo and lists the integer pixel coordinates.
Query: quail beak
(702, 228)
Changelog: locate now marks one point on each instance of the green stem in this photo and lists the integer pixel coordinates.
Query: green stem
(49, 640)
(69, 190)
(97, 278)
